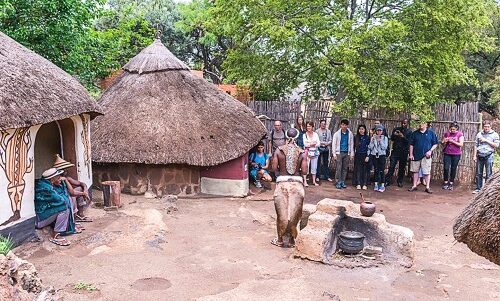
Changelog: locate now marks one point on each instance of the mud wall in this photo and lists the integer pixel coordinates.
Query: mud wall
(163, 179)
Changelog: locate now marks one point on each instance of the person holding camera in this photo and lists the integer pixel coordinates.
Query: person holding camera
(259, 165)
(325, 138)
(399, 154)
(377, 150)
(486, 142)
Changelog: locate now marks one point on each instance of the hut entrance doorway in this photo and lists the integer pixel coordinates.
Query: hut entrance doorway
(57, 137)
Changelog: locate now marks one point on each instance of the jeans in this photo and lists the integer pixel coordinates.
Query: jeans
(483, 163)
(450, 167)
(342, 165)
(403, 162)
(379, 164)
(360, 168)
(323, 167)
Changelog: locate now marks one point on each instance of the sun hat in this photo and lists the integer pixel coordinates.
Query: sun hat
(51, 172)
(60, 163)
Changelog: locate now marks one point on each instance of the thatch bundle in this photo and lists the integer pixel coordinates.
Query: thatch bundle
(478, 225)
(35, 91)
(158, 112)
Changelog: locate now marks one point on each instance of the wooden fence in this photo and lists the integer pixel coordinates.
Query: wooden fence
(466, 115)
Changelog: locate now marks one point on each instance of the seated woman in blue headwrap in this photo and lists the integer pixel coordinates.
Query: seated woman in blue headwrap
(53, 205)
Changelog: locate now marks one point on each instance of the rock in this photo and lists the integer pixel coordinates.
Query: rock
(169, 198)
(307, 210)
(371, 250)
(149, 195)
(19, 281)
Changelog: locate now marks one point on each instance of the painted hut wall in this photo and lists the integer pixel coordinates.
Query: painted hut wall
(17, 177)
(228, 179)
(18, 172)
(162, 179)
(83, 150)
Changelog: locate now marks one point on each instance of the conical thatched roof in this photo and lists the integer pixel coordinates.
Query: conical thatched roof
(478, 225)
(35, 91)
(158, 112)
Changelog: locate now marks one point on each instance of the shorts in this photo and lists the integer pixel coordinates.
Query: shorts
(424, 164)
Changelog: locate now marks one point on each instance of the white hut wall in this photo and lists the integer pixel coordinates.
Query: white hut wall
(229, 178)
(83, 149)
(161, 179)
(17, 180)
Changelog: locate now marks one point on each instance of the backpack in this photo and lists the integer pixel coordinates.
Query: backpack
(272, 137)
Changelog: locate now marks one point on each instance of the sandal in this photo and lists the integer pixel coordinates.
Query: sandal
(85, 219)
(275, 242)
(60, 241)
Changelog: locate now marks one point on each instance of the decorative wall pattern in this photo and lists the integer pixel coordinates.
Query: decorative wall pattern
(15, 162)
(86, 143)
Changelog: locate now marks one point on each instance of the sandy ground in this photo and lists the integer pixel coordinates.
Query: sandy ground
(218, 249)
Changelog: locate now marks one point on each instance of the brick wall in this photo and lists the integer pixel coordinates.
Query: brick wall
(163, 179)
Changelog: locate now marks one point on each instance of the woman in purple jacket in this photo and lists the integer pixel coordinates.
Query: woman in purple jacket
(453, 141)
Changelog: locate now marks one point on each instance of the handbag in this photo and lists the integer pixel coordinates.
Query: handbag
(481, 156)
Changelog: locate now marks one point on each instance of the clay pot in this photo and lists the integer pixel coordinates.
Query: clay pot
(367, 208)
(351, 242)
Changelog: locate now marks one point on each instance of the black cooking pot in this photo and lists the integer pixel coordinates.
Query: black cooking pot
(351, 242)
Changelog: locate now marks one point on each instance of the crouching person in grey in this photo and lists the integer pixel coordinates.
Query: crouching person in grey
(486, 142)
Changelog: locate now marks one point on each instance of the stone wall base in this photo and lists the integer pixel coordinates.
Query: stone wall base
(161, 179)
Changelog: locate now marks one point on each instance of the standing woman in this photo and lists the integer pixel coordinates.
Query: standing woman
(377, 152)
(453, 142)
(300, 125)
(311, 144)
(361, 142)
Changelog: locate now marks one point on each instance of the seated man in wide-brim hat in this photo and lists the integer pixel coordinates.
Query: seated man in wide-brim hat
(78, 190)
(53, 206)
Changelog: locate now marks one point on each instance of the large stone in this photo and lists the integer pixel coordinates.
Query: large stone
(318, 240)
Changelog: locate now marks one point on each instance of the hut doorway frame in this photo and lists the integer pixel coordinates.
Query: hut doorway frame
(66, 133)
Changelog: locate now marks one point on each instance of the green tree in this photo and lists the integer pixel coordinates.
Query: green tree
(206, 46)
(386, 53)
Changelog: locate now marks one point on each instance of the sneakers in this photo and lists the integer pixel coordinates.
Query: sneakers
(364, 187)
(450, 186)
(258, 184)
(375, 187)
(343, 185)
(338, 185)
(381, 188)
(445, 186)
(475, 191)
(400, 184)
(358, 187)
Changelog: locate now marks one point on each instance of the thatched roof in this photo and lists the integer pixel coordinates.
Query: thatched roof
(35, 91)
(478, 225)
(158, 112)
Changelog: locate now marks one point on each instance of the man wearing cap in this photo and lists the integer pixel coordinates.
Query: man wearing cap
(53, 205)
(289, 159)
(79, 201)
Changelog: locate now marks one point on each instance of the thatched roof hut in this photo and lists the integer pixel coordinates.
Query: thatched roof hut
(478, 225)
(158, 112)
(35, 91)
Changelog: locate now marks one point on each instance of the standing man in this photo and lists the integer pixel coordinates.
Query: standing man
(400, 149)
(342, 151)
(486, 143)
(325, 137)
(422, 143)
(289, 193)
(276, 138)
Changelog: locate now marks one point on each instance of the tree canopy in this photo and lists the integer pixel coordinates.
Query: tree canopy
(387, 53)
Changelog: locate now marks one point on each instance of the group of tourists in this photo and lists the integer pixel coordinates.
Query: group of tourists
(369, 149)
(60, 202)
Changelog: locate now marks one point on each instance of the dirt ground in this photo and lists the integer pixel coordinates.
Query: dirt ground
(218, 249)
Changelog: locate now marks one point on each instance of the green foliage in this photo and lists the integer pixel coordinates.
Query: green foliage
(85, 286)
(393, 54)
(5, 245)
